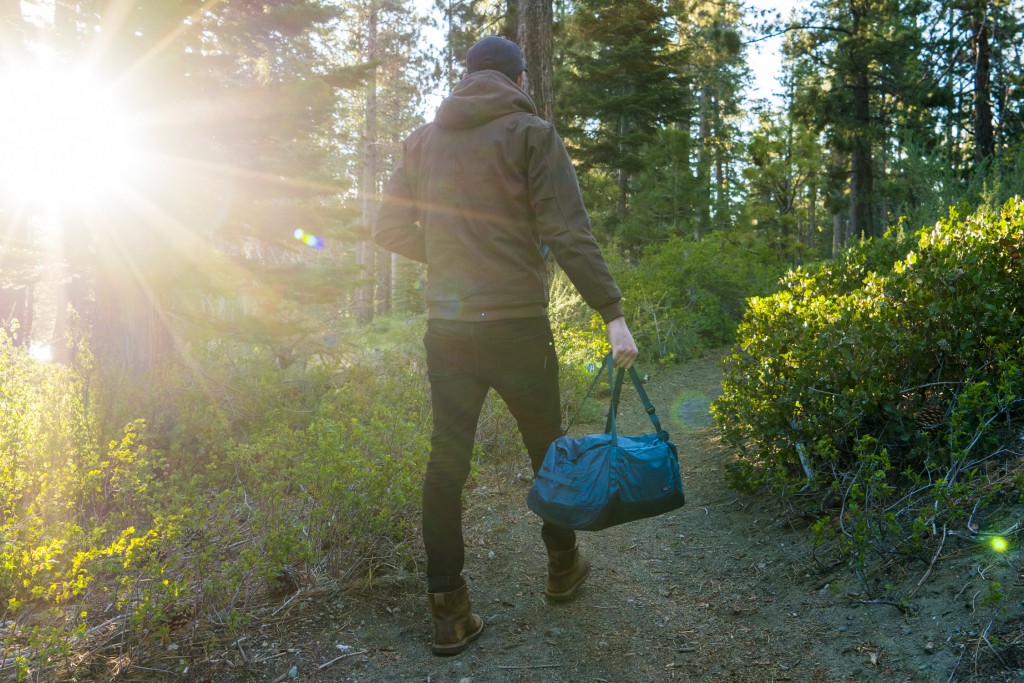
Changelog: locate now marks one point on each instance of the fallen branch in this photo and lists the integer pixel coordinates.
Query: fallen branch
(339, 658)
(532, 666)
(931, 565)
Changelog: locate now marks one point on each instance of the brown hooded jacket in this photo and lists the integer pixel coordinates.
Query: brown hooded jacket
(478, 192)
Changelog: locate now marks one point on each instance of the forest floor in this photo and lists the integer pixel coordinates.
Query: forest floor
(727, 588)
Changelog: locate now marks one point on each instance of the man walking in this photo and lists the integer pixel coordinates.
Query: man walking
(479, 192)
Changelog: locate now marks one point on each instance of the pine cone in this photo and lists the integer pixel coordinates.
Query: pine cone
(930, 418)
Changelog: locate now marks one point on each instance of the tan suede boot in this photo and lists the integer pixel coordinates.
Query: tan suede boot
(455, 625)
(567, 570)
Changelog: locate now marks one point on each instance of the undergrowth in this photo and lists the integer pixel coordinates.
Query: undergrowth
(144, 518)
(884, 394)
(256, 482)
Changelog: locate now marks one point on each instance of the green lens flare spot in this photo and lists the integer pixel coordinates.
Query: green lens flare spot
(691, 410)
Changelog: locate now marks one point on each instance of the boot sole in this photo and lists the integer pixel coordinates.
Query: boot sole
(456, 648)
(569, 594)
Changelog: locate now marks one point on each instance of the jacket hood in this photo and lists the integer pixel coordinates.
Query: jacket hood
(480, 98)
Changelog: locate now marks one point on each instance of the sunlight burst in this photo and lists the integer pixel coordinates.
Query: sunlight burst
(65, 137)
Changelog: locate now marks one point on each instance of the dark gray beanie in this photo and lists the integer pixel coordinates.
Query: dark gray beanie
(495, 52)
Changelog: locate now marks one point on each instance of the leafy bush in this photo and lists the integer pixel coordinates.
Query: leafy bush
(685, 296)
(891, 389)
(262, 481)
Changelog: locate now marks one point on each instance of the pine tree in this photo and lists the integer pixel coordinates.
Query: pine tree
(854, 61)
(619, 85)
(708, 34)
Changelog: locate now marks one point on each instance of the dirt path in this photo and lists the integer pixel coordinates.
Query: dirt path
(722, 590)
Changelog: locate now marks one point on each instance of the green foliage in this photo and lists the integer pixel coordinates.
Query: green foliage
(685, 296)
(245, 482)
(890, 380)
(578, 330)
(666, 195)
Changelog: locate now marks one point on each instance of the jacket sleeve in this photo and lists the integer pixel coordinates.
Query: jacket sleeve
(396, 228)
(563, 223)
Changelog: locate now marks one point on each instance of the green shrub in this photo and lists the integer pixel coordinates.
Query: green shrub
(269, 478)
(890, 386)
(685, 296)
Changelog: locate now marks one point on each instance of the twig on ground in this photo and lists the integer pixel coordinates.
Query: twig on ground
(532, 666)
(955, 667)
(339, 658)
(282, 678)
(984, 637)
(931, 565)
(287, 602)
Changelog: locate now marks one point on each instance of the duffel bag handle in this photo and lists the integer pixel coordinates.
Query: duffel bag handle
(616, 388)
(616, 385)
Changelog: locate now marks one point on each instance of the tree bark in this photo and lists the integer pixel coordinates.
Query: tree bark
(861, 178)
(838, 235)
(984, 139)
(366, 256)
(721, 190)
(622, 207)
(535, 18)
(384, 282)
(704, 155)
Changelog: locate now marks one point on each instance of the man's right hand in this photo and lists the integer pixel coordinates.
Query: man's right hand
(624, 351)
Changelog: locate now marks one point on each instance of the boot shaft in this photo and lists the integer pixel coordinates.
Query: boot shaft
(455, 625)
(567, 570)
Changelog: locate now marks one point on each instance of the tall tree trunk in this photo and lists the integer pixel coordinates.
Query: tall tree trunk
(838, 235)
(535, 18)
(511, 22)
(368, 187)
(861, 176)
(704, 154)
(395, 267)
(385, 294)
(952, 108)
(721, 191)
(812, 214)
(984, 144)
(130, 330)
(622, 208)
(861, 179)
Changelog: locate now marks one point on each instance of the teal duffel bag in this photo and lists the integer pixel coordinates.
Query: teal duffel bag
(597, 481)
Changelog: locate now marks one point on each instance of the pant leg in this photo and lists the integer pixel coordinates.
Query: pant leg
(523, 369)
(457, 397)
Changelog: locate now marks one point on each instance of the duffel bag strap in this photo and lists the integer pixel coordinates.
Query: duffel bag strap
(648, 406)
(615, 382)
(590, 390)
(609, 426)
(616, 392)
(613, 408)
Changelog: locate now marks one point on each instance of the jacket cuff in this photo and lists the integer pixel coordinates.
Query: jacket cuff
(611, 312)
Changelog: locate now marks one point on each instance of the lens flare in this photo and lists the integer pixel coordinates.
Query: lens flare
(998, 544)
(311, 241)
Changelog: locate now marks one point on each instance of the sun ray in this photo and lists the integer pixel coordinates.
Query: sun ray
(169, 39)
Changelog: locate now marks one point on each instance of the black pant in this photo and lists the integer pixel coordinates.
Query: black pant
(464, 360)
